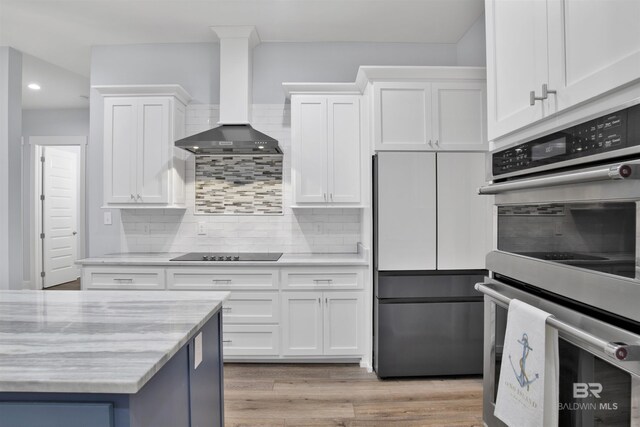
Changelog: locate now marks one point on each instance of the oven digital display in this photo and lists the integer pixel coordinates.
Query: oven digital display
(556, 147)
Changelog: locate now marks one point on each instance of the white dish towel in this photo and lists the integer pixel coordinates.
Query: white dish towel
(528, 385)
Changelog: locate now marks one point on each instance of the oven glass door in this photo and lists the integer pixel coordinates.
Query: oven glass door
(592, 391)
(594, 236)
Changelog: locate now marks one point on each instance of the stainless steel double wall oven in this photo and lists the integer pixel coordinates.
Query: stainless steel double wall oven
(567, 241)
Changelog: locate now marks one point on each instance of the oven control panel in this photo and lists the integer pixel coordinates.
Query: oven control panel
(611, 132)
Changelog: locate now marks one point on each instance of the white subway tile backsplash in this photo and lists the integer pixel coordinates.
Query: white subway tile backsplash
(296, 231)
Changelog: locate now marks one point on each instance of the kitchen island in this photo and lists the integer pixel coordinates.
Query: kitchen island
(110, 358)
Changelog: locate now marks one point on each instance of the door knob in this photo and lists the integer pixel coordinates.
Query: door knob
(74, 233)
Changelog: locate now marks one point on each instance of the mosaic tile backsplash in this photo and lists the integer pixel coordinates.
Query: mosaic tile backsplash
(238, 185)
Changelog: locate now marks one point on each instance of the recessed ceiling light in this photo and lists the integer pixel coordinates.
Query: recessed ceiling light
(33, 86)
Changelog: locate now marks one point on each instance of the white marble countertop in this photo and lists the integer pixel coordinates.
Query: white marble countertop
(162, 259)
(95, 341)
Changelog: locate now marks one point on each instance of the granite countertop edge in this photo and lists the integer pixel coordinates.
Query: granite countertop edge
(163, 259)
(112, 387)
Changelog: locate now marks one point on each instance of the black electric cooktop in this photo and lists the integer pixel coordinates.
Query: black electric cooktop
(229, 256)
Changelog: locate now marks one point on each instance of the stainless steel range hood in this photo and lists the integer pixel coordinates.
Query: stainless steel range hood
(230, 140)
(234, 135)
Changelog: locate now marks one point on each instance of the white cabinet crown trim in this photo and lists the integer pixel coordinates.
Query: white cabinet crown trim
(174, 90)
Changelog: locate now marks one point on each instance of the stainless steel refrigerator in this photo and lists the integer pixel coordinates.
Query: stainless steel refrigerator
(427, 321)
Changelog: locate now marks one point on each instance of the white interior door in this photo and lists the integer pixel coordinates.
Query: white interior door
(60, 214)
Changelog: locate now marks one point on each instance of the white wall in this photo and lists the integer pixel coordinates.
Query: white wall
(10, 179)
(274, 63)
(472, 47)
(58, 122)
(196, 67)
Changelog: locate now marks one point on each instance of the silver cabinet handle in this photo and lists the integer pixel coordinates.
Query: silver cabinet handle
(325, 197)
(533, 98)
(139, 197)
(74, 233)
(327, 281)
(227, 341)
(331, 196)
(430, 144)
(326, 300)
(545, 94)
(133, 197)
(319, 301)
(222, 281)
(226, 309)
(437, 143)
(123, 280)
(546, 91)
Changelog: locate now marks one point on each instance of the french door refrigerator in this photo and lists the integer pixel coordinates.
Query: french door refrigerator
(427, 321)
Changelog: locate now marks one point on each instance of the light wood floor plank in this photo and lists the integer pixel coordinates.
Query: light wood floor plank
(310, 395)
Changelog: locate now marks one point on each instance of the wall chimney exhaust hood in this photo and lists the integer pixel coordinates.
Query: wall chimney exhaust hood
(234, 135)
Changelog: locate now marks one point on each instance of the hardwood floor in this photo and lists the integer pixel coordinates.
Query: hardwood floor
(265, 395)
(69, 286)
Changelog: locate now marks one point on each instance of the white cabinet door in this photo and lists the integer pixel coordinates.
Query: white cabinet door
(464, 217)
(343, 323)
(250, 340)
(309, 133)
(517, 63)
(344, 149)
(594, 47)
(406, 211)
(153, 150)
(402, 116)
(302, 323)
(120, 149)
(459, 119)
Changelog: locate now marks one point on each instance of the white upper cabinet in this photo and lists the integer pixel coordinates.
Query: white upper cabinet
(142, 166)
(516, 63)
(326, 140)
(444, 114)
(544, 57)
(120, 148)
(309, 134)
(459, 119)
(402, 114)
(594, 47)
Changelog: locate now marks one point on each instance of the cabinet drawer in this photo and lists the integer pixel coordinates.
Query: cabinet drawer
(251, 307)
(123, 278)
(192, 279)
(251, 340)
(333, 278)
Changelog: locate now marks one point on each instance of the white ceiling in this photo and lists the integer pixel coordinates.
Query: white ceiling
(62, 31)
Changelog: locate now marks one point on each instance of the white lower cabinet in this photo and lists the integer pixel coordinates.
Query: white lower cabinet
(322, 323)
(123, 278)
(271, 313)
(251, 307)
(250, 340)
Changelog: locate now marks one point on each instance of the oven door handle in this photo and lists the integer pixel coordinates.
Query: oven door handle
(616, 350)
(619, 171)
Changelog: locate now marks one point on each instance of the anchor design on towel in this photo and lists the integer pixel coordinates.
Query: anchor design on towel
(522, 377)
